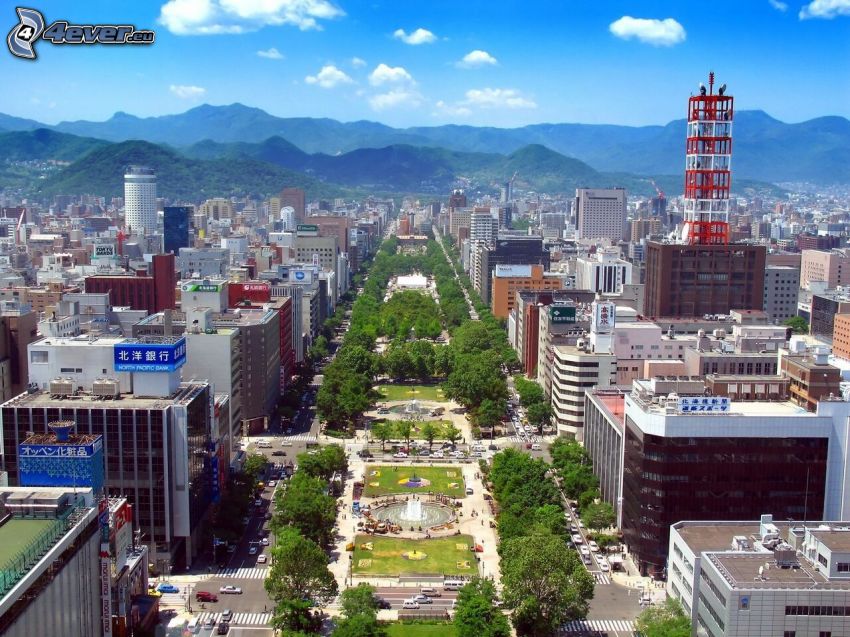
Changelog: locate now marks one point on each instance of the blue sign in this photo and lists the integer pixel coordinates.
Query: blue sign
(216, 489)
(61, 465)
(704, 404)
(150, 357)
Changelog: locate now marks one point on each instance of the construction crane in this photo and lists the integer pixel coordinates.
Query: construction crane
(657, 189)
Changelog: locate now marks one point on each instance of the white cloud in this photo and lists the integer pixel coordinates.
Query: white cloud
(451, 109)
(497, 98)
(656, 32)
(208, 17)
(328, 77)
(475, 59)
(187, 92)
(420, 36)
(394, 98)
(779, 5)
(384, 74)
(357, 62)
(826, 9)
(271, 54)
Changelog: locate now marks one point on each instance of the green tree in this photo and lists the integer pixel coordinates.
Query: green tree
(324, 463)
(319, 348)
(797, 324)
(383, 431)
(429, 432)
(476, 615)
(539, 414)
(358, 600)
(359, 626)
(397, 363)
(299, 577)
(598, 516)
(305, 506)
(489, 413)
(404, 428)
(544, 583)
(255, 466)
(452, 434)
(667, 620)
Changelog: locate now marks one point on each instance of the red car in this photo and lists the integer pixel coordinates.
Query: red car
(203, 596)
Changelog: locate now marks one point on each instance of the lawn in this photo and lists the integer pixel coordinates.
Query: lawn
(416, 431)
(443, 556)
(408, 392)
(400, 629)
(383, 480)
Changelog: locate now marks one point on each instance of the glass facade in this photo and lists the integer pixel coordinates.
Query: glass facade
(667, 480)
(176, 227)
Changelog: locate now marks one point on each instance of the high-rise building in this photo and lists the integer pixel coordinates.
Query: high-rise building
(458, 199)
(508, 279)
(781, 292)
(176, 227)
(703, 273)
(153, 291)
(295, 198)
(828, 267)
(601, 213)
(140, 200)
(605, 272)
(483, 225)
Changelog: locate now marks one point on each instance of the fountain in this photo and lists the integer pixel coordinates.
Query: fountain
(414, 512)
(412, 408)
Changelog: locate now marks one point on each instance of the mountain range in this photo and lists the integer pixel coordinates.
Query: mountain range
(209, 168)
(766, 149)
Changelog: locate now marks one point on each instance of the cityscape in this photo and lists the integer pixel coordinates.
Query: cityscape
(326, 319)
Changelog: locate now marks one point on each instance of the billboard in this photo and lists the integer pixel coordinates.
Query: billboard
(513, 270)
(562, 313)
(306, 227)
(61, 465)
(703, 404)
(300, 275)
(604, 317)
(121, 534)
(206, 286)
(104, 251)
(150, 357)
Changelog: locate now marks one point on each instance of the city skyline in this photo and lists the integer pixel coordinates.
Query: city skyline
(502, 65)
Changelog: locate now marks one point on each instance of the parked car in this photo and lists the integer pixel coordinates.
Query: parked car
(264, 541)
(167, 588)
(278, 452)
(230, 590)
(204, 596)
(210, 623)
(584, 550)
(399, 454)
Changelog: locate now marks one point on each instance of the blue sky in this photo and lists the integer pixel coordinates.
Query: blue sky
(428, 62)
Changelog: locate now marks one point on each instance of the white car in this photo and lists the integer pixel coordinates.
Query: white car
(272, 483)
(584, 550)
(603, 565)
(262, 559)
(230, 590)
(577, 539)
(264, 541)
(438, 454)
(399, 454)
(593, 546)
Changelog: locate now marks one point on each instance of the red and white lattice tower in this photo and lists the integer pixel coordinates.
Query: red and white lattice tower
(708, 167)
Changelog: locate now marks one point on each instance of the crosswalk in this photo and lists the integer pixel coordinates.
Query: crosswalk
(243, 573)
(239, 619)
(601, 578)
(308, 438)
(584, 626)
(516, 438)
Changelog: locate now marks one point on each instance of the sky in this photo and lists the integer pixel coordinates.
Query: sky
(430, 62)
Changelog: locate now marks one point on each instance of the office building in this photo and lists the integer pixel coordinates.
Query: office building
(140, 200)
(508, 250)
(695, 280)
(762, 576)
(825, 306)
(483, 225)
(829, 267)
(811, 377)
(176, 227)
(152, 292)
(217, 208)
(667, 439)
(203, 263)
(158, 443)
(509, 279)
(294, 198)
(605, 272)
(781, 292)
(601, 213)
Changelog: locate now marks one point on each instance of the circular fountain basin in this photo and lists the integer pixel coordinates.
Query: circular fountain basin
(431, 514)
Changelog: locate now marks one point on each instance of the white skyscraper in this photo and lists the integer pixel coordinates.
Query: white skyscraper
(140, 200)
(601, 213)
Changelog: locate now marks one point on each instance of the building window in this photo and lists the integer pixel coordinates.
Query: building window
(38, 357)
(744, 603)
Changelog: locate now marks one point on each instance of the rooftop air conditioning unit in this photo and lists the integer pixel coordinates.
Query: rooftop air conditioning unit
(106, 388)
(62, 387)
